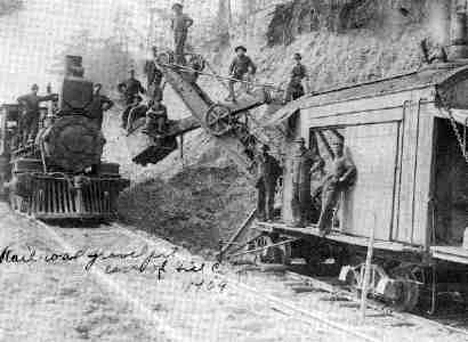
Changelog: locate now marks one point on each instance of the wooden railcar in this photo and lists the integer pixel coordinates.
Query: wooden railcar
(407, 137)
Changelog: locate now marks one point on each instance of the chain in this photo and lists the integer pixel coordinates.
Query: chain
(455, 129)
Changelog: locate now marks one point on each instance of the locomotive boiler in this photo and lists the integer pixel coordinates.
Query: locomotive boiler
(61, 174)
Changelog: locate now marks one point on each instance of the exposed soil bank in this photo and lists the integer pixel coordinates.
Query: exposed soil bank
(193, 209)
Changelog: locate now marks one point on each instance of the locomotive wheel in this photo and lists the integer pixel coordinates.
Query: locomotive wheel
(409, 289)
(218, 120)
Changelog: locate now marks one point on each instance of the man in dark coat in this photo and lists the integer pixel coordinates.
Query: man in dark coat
(298, 74)
(131, 89)
(31, 115)
(268, 172)
(304, 163)
(100, 104)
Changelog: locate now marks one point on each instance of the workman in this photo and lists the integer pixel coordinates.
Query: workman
(180, 25)
(298, 75)
(154, 77)
(99, 105)
(31, 112)
(156, 118)
(339, 178)
(268, 172)
(241, 67)
(304, 163)
(131, 88)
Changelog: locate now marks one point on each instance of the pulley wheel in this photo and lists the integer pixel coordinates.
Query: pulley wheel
(218, 120)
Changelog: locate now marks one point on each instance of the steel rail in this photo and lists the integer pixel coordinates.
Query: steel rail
(281, 304)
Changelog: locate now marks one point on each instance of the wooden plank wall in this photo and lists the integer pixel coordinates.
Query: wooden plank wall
(373, 149)
(416, 166)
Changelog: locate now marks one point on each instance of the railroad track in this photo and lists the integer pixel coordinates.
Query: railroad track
(286, 306)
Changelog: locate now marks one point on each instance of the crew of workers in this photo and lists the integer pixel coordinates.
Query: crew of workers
(334, 179)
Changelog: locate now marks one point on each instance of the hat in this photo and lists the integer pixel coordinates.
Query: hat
(300, 140)
(297, 56)
(177, 4)
(240, 47)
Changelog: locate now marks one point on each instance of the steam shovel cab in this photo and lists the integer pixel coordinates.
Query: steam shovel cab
(405, 135)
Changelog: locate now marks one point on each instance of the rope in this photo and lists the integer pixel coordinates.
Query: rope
(183, 67)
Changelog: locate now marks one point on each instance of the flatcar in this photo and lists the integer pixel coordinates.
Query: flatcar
(61, 174)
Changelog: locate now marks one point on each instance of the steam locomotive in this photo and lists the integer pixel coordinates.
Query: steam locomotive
(60, 175)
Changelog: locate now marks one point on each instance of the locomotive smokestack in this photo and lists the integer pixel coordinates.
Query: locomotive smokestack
(459, 36)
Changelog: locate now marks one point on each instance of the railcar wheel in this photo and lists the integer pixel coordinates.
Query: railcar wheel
(409, 293)
(218, 120)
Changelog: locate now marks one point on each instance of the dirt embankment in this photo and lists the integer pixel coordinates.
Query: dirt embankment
(193, 209)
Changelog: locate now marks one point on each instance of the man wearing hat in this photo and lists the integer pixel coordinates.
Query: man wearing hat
(340, 177)
(298, 74)
(180, 24)
(131, 89)
(268, 172)
(304, 162)
(31, 112)
(241, 65)
(99, 105)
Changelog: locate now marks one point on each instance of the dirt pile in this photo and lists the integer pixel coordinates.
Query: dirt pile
(193, 209)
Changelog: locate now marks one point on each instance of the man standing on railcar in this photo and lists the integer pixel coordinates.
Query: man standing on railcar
(296, 88)
(31, 115)
(154, 77)
(304, 163)
(240, 67)
(268, 172)
(340, 177)
(180, 24)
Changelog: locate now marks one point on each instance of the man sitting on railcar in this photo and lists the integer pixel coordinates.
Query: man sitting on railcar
(339, 178)
(131, 89)
(156, 118)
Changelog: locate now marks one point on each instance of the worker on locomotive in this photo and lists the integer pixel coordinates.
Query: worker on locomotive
(30, 118)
